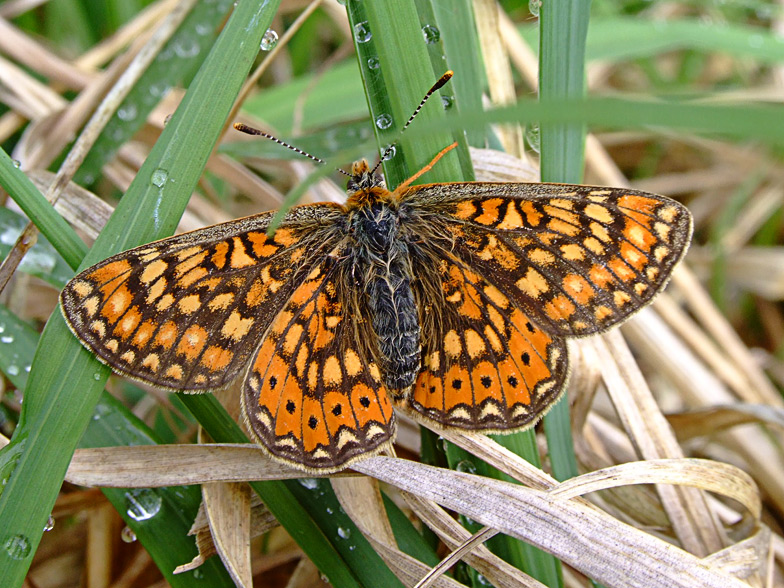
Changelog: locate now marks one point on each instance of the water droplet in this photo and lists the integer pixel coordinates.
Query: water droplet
(269, 40)
(96, 377)
(142, 504)
(167, 119)
(17, 546)
(198, 574)
(159, 177)
(533, 136)
(534, 6)
(344, 533)
(49, 524)
(390, 152)
(447, 102)
(362, 32)
(329, 510)
(158, 90)
(373, 63)
(466, 466)
(309, 483)
(27, 368)
(2, 328)
(383, 121)
(202, 29)
(187, 48)
(431, 33)
(126, 112)
(7, 339)
(13, 370)
(17, 163)
(127, 535)
(482, 581)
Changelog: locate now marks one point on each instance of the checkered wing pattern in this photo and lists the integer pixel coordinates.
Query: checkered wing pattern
(520, 268)
(577, 259)
(486, 365)
(312, 395)
(187, 313)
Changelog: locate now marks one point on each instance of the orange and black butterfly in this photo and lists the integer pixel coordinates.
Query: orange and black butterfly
(453, 301)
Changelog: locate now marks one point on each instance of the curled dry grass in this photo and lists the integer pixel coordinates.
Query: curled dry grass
(682, 380)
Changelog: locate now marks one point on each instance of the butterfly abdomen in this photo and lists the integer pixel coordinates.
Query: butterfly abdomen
(382, 260)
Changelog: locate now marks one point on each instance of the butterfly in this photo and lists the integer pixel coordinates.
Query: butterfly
(452, 301)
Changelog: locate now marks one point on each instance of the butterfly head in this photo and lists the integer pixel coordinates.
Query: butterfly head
(363, 179)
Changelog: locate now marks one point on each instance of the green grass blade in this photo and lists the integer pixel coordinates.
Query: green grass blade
(175, 65)
(66, 380)
(36, 207)
(627, 38)
(165, 533)
(312, 518)
(396, 70)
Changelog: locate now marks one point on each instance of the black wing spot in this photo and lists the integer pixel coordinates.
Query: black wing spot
(486, 381)
(337, 410)
(273, 381)
(512, 381)
(291, 407)
(530, 327)
(526, 358)
(364, 401)
(313, 422)
(457, 383)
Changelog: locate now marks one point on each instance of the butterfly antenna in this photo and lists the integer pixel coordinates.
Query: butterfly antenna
(436, 87)
(252, 131)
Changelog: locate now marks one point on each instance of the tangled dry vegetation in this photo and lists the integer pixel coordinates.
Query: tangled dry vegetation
(676, 417)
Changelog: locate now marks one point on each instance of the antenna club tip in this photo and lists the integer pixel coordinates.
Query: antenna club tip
(443, 80)
(240, 126)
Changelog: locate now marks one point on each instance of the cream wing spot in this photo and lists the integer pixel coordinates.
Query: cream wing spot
(153, 271)
(236, 327)
(452, 344)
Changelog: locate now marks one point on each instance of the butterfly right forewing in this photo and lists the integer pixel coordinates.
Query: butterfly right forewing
(577, 259)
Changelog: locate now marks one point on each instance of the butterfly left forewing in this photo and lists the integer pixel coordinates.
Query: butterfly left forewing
(312, 395)
(186, 313)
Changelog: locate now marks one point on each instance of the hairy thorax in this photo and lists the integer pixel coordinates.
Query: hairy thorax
(381, 261)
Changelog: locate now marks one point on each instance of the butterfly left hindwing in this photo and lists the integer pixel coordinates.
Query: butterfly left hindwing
(312, 395)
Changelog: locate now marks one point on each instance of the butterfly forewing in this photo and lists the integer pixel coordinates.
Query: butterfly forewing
(576, 259)
(312, 396)
(186, 313)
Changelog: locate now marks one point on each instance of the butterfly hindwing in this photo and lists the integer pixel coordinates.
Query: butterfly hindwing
(486, 366)
(312, 395)
(186, 313)
(577, 259)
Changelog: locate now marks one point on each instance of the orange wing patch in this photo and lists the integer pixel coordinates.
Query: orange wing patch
(312, 396)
